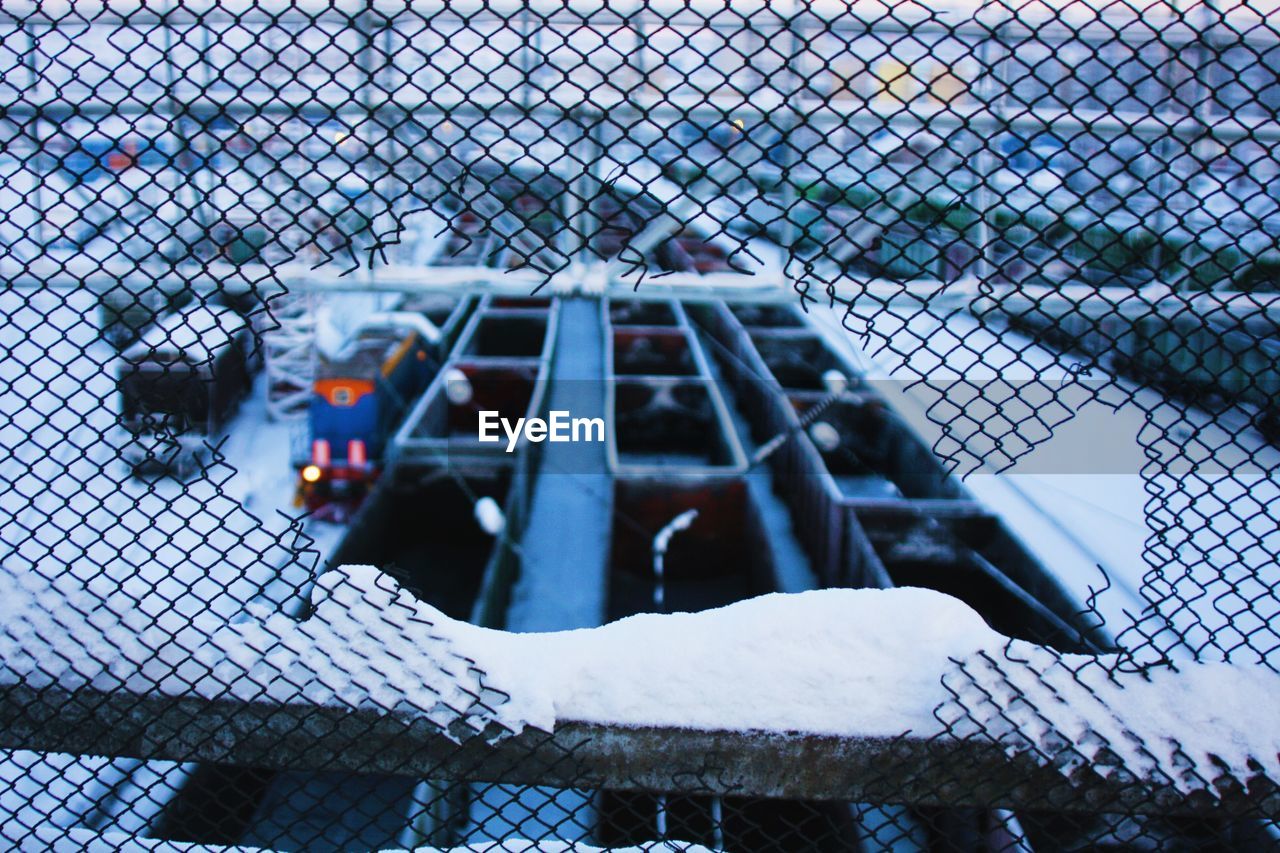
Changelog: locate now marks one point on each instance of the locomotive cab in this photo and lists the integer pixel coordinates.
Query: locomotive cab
(356, 403)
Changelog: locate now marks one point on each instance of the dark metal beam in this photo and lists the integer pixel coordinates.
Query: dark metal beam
(940, 771)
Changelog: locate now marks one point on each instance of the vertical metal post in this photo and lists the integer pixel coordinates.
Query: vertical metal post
(38, 158)
(790, 232)
(988, 96)
(179, 141)
(372, 176)
(529, 34)
(588, 121)
(200, 195)
(1164, 182)
(1206, 51)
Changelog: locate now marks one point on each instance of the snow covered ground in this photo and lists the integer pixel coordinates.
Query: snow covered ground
(185, 556)
(1082, 491)
(76, 519)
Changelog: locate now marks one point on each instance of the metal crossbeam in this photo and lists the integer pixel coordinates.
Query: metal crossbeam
(938, 772)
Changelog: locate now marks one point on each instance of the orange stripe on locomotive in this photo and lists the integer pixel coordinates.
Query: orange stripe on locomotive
(343, 392)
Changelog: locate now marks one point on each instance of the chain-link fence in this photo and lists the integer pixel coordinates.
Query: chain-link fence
(871, 301)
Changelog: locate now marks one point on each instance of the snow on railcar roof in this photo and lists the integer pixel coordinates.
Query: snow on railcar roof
(193, 334)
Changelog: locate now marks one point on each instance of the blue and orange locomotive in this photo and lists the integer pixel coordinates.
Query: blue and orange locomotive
(361, 396)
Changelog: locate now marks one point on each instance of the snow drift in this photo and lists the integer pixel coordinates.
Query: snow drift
(853, 663)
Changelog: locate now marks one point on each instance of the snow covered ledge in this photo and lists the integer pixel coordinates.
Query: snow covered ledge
(858, 695)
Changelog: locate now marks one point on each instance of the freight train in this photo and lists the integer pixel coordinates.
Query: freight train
(1212, 361)
(1220, 355)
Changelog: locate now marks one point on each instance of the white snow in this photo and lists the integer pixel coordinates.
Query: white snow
(1188, 726)
(837, 662)
(74, 517)
(341, 656)
(1080, 497)
(196, 333)
(868, 663)
(76, 528)
(46, 788)
(843, 662)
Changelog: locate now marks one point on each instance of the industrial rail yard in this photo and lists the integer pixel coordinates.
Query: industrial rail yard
(527, 426)
(709, 409)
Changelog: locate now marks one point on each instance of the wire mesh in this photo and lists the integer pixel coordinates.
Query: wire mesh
(225, 224)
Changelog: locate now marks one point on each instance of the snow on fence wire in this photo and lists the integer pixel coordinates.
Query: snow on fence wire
(969, 199)
(886, 695)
